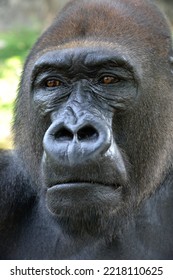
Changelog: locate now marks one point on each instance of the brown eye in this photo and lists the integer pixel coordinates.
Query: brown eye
(109, 80)
(53, 83)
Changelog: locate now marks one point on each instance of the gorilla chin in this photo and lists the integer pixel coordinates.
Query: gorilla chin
(86, 205)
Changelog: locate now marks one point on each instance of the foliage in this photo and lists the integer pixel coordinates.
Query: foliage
(14, 47)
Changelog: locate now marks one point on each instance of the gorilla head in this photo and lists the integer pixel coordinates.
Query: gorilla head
(93, 124)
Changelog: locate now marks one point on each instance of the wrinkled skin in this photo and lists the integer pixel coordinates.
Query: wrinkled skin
(91, 173)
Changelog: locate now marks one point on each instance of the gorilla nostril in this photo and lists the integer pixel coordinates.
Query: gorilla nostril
(87, 133)
(64, 135)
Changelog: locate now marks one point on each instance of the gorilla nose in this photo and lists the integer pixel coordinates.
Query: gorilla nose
(74, 144)
(85, 133)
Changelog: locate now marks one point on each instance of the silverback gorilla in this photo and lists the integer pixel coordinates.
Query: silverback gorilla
(91, 174)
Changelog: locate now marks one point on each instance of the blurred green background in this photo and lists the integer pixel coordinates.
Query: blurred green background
(21, 22)
(14, 46)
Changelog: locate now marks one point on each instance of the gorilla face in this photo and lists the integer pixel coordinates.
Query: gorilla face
(84, 169)
(99, 141)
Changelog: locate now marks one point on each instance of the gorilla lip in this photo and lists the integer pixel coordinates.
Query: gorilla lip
(83, 194)
(78, 185)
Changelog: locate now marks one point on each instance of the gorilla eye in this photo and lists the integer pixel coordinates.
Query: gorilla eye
(53, 83)
(107, 80)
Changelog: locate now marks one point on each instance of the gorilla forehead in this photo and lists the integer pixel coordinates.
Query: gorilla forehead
(83, 56)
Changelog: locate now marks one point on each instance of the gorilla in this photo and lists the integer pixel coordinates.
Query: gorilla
(91, 174)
